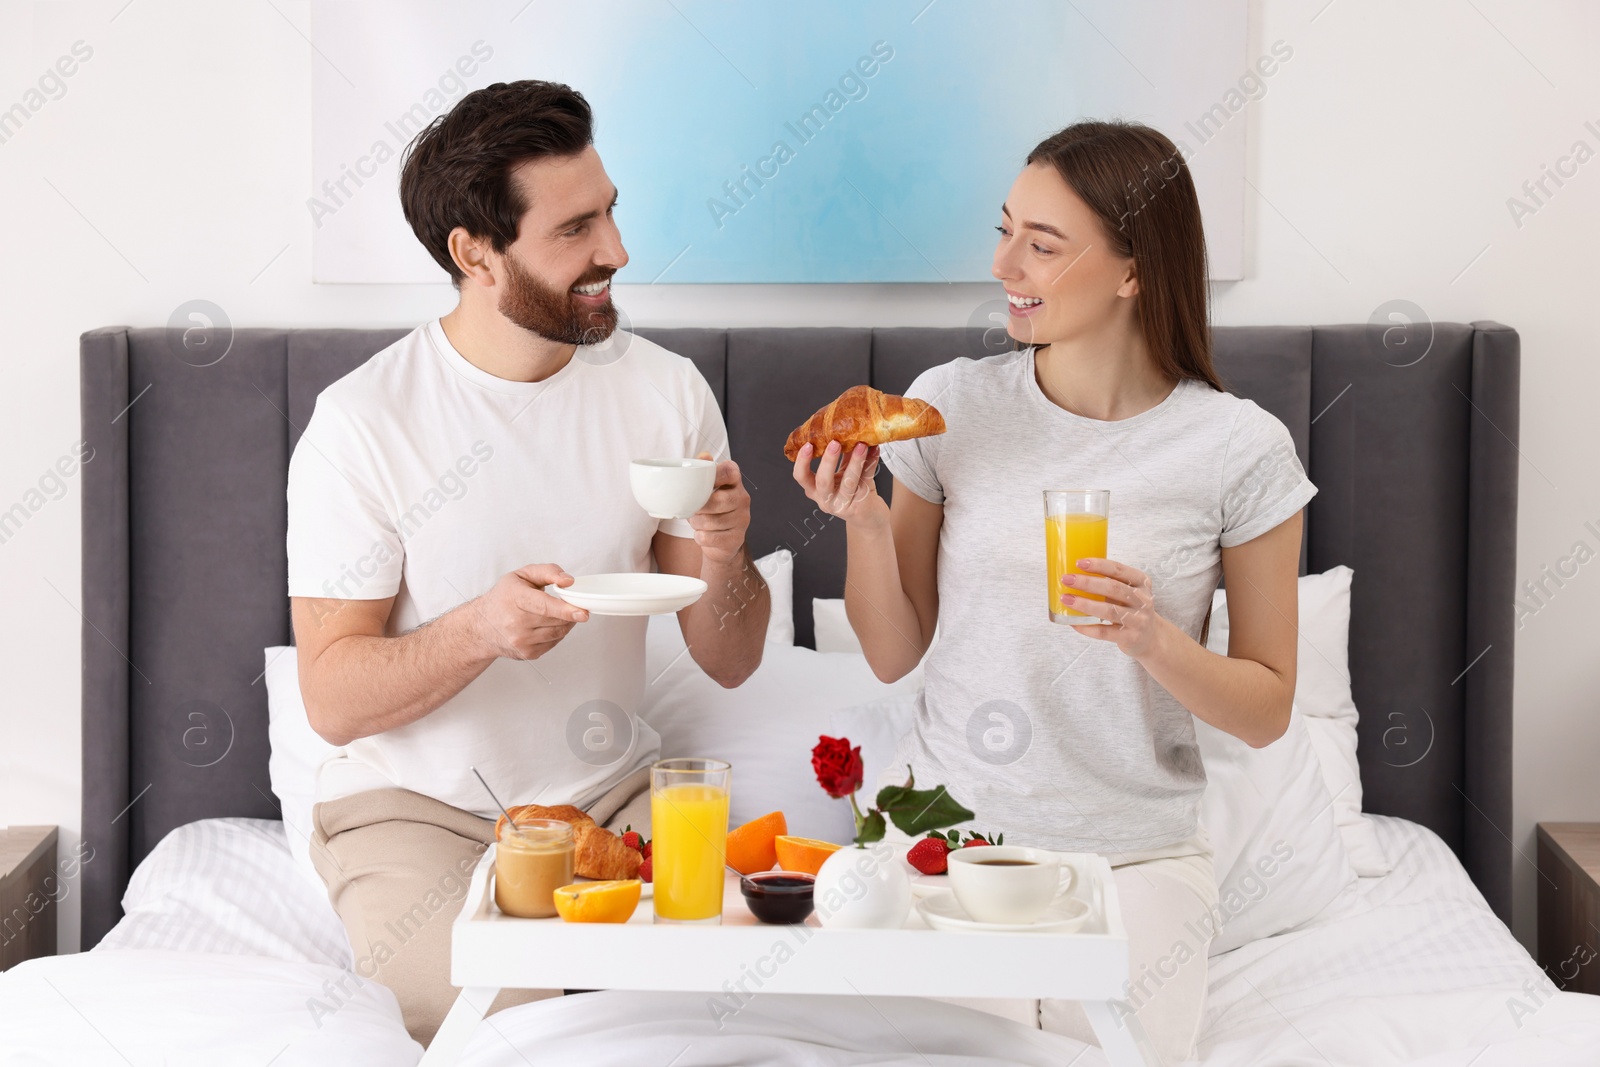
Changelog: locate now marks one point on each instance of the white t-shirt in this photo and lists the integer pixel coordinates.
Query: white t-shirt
(425, 478)
(1048, 736)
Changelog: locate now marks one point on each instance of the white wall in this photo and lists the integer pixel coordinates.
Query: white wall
(177, 162)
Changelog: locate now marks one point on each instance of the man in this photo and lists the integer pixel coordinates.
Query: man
(442, 486)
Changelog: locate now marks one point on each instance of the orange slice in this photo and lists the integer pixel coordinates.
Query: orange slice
(752, 847)
(803, 853)
(598, 902)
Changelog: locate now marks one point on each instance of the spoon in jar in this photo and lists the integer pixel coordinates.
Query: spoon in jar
(511, 824)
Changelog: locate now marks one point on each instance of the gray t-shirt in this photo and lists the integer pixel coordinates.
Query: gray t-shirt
(1053, 738)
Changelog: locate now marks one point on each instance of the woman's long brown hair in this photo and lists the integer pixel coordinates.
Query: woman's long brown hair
(1136, 182)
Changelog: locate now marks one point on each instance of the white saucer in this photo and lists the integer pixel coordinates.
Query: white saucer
(630, 594)
(943, 912)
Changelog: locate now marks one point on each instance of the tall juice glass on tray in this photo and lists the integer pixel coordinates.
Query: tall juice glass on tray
(1075, 524)
(689, 834)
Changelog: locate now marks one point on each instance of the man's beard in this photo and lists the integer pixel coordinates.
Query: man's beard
(552, 313)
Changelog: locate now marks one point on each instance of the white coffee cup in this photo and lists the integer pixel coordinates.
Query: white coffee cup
(672, 488)
(1006, 883)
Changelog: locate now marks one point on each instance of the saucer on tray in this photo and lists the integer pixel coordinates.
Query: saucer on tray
(943, 911)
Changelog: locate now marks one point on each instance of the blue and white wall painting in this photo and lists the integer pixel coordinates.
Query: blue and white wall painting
(824, 141)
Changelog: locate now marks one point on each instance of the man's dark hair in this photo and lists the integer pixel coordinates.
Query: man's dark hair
(457, 172)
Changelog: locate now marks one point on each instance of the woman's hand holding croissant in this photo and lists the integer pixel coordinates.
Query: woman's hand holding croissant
(850, 493)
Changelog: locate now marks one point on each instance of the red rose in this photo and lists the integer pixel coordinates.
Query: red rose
(838, 766)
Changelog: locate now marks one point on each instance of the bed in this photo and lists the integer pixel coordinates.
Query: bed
(248, 967)
(1416, 461)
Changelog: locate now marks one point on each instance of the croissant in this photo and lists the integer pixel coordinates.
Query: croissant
(597, 852)
(863, 415)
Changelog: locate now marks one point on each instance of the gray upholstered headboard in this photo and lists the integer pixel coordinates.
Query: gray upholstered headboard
(184, 526)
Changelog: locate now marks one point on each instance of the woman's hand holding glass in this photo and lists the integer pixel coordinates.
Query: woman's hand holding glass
(1129, 606)
(848, 493)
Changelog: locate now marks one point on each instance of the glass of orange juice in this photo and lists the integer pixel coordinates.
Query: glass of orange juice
(689, 836)
(1075, 522)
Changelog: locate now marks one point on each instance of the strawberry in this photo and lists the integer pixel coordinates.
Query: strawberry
(633, 839)
(928, 855)
(648, 846)
(975, 842)
(977, 839)
(646, 869)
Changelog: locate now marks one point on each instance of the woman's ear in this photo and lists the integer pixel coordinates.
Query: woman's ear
(1130, 281)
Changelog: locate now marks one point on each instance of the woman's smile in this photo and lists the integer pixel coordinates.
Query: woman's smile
(1022, 305)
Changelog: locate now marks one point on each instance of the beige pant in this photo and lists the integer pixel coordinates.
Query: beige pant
(397, 865)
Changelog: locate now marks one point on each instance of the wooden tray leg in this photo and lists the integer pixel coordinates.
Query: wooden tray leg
(453, 1034)
(1122, 1039)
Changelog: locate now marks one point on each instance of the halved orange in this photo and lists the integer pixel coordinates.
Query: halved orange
(598, 902)
(751, 847)
(804, 854)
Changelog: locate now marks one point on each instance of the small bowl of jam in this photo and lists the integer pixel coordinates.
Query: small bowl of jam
(779, 897)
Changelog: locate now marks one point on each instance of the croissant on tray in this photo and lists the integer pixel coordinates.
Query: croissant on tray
(863, 415)
(597, 852)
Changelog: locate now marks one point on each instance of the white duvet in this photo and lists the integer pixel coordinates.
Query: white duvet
(176, 1009)
(1411, 968)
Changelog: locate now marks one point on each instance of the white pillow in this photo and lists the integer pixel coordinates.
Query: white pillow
(1322, 692)
(1277, 852)
(832, 632)
(297, 754)
(877, 727)
(777, 570)
(766, 727)
(831, 629)
(228, 886)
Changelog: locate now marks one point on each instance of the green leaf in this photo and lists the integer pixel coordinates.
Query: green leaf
(871, 828)
(915, 811)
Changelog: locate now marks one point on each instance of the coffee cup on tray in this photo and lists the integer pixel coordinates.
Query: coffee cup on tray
(1007, 883)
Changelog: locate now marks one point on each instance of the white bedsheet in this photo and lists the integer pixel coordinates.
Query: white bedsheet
(1410, 968)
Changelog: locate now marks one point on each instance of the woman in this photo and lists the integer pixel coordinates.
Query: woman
(1102, 256)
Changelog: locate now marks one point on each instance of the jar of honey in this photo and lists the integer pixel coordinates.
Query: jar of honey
(531, 862)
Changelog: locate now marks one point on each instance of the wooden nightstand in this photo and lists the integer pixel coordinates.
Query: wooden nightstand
(1569, 910)
(28, 888)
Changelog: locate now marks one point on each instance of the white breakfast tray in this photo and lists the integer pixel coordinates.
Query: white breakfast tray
(491, 951)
